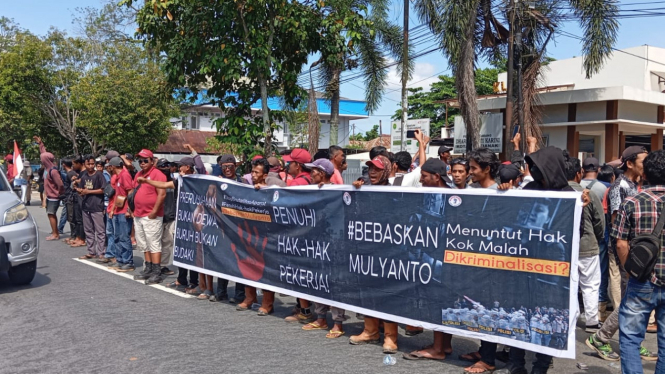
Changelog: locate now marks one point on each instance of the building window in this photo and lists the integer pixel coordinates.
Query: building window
(194, 123)
(183, 123)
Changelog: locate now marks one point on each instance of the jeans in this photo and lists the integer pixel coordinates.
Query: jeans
(111, 251)
(517, 360)
(122, 228)
(638, 302)
(603, 292)
(63, 221)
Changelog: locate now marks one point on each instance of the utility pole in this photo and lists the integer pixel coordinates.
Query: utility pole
(507, 132)
(353, 127)
(405, 72)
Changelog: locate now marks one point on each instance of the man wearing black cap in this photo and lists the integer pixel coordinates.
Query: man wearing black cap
(590, 181)
(444, 155)
(509, 173)
(590, 167)
(623, 187)
(433, 174)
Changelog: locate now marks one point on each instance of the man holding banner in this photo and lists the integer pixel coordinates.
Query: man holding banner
(397, 254)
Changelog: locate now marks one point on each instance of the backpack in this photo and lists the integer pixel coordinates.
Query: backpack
(644, 251)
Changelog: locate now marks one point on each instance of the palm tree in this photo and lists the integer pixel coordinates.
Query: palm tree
(468, 29)
(361, 43)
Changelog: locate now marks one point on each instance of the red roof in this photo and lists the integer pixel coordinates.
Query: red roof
(178, 138)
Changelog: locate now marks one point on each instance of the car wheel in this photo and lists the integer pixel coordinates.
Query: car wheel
(23, 274)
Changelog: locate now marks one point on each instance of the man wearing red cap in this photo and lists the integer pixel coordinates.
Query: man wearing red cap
(296, 161)
(148, 215)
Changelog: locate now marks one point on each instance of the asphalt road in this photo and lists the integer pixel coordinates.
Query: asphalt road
(76, 318)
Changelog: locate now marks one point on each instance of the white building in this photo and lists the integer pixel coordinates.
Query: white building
(202, 118)
(621, 105)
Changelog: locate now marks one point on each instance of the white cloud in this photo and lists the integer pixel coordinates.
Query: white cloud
(423, 76)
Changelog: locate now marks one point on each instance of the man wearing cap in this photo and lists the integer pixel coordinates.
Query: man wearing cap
(378, 175)
(509, 173)
(591, 167)
(433, 174)
(273, 178)
(148, 215)
(9, 162)
(623, 187)
(593, 232)
(296, 161)
(228, 164)
(186, 167)
(120, 218)
(444, 155)
(168, 231)
(322, 171)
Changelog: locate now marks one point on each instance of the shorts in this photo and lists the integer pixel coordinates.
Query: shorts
(52, 206)
(148, 234)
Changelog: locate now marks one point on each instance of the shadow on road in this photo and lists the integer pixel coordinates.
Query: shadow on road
(41, 279)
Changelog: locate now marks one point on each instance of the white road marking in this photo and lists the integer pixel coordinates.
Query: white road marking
(131, 277)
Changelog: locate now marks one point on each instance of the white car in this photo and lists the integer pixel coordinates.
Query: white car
(19, 237)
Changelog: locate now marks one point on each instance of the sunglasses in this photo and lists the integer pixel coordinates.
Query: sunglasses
(228, 166)
(459, 161)
(144, 161)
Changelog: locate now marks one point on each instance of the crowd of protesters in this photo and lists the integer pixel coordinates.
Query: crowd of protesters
(111, 207)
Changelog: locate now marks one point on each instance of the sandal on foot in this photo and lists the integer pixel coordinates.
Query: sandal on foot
(334, 334)
(483, 367)
(205, 295)
(314, 326)
(242, 308)
(52, 238)
(470, 357)
(76, 245)
(262, 312)
(86, 257)
(196, 291)
(418, 356)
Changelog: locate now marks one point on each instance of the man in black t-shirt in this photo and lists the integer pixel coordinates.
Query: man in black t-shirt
(91, 189)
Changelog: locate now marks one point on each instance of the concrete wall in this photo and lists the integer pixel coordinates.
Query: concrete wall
(557, 136)
(637, 111)
(555, 113)
(593, 111)
(621, 69)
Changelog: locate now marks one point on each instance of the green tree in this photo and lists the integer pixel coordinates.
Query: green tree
(373, 133)
(240, 52)
(430, 104)
(467, 29)
(129, 116)
(357, 35)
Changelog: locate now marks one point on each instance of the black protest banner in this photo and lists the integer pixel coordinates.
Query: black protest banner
(476, 263)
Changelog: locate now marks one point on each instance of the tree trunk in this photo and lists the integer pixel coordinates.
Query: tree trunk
(334, 107)
(267, 146)
(466, 87)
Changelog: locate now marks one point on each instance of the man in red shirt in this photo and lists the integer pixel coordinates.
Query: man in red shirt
(296, 167)
(148, 216)
(301, 177)
(121, 221)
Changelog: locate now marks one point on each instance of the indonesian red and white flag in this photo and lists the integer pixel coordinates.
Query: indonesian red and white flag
(18, 160)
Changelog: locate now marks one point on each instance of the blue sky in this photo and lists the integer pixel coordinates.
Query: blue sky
(39, 15)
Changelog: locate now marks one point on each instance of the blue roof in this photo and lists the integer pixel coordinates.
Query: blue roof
(346, 107)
